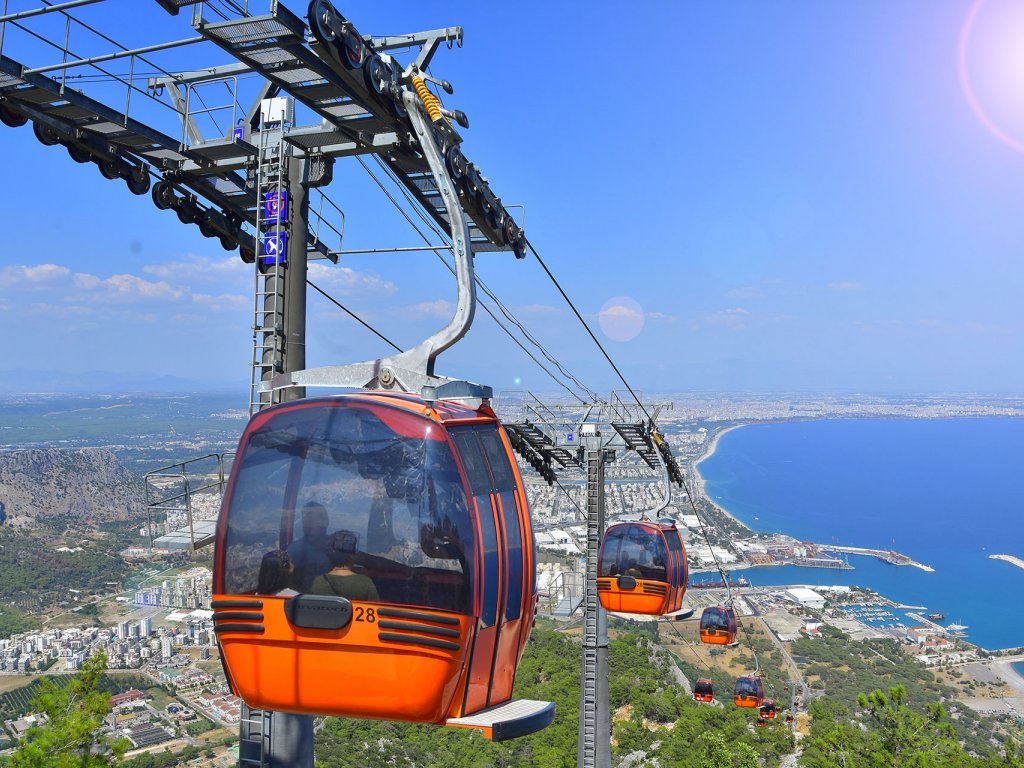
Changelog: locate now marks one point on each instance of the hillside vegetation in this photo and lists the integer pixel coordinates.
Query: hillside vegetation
(654, 719)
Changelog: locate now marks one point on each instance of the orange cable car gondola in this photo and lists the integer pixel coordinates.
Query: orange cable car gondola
(718, 625)
(375, 559)
(642, 569)
(703, 691)
(769, 710)
(761, 722)
(749, 692)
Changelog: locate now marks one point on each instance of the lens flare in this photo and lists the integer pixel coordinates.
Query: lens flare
(621, 318)
(991, 68)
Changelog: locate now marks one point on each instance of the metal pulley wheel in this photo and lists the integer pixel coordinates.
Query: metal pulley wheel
(45, 134)
(382, 78)
(353, 48)
(497, 217)
(206, 229)
(187, 211)
(456, 163)
(234, 224)
(109, 169)
(11, 118)
(473, 182)
(138, 180)
(519, 245)
(510, 231)
(78, 153)
(378, 75)
(163, 195)
(322, 21)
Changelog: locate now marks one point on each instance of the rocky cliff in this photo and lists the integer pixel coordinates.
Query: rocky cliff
(88, 484)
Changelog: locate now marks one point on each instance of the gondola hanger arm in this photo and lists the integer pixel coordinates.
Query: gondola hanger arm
(413, 369)
(666, 481)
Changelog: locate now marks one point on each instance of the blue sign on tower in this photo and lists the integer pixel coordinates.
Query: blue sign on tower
(275, 207)
(275, 248)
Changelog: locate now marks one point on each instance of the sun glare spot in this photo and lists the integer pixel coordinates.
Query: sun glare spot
(621, 318)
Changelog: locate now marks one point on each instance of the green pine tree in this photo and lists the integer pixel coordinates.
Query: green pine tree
(908, 739)
(72, 737)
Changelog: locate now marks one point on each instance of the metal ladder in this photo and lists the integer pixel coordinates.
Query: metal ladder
(589, 700)
(268, 338)
(254, 738)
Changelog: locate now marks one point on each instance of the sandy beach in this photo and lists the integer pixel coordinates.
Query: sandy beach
(699, 489)
(1010, 676)
(1010, 701)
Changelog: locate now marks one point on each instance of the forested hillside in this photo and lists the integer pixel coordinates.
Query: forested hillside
(654, 719)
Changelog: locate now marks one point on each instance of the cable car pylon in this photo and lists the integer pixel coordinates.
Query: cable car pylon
(588, 437)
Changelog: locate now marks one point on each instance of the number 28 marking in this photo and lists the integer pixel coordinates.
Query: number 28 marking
(366, 614)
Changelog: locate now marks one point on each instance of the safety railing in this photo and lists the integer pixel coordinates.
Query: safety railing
(183, 501)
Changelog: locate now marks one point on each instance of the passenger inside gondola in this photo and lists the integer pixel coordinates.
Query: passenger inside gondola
(341, 580)
(747, 686)
(718, 625)
(389, 479)
(309, 553)
(276, 574)
(634, 552)
(749, 692)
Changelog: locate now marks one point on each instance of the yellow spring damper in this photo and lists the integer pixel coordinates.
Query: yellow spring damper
(429, 100)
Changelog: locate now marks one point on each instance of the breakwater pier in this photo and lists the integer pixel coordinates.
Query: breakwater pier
(886, 555)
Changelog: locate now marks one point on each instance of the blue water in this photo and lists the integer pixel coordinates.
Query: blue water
(946, 492)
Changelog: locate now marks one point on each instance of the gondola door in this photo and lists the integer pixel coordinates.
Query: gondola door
(497, 495)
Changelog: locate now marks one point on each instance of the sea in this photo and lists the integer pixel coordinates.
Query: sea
(946, 492)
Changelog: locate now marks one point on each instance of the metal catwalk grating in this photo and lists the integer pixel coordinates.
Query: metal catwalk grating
(270, 55)
(247, 31)
(298, 76)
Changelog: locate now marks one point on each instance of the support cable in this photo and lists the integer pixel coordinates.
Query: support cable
(725, 578)
(622, 378)
(587, 327)
(570, 497)
(486, 308)
(689, 645)
(351, 314)
(443, 236)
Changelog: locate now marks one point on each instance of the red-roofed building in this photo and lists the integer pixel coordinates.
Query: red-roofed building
(127, 697)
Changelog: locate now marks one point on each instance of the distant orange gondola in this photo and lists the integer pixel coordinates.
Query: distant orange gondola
(642, 569)
(769, 710)
(375, 559)
(749, 692)
(703, 691)
(718, 625)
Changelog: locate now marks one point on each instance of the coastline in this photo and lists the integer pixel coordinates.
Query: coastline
(699, 487)
(1010, 675)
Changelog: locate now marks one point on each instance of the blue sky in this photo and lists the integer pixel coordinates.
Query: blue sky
(798, 197)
